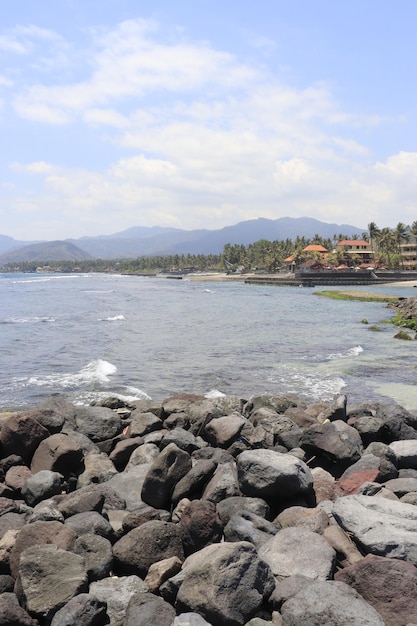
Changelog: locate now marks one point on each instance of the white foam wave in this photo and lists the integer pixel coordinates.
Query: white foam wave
(115, 318)
(311, 384)
(28, 320)
(214, 393)
(96, 372)
(130, 394)
(355, 351)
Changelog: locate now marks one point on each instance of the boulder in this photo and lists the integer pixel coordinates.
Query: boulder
(200, 525)
(405, 453)
(122, 452)
(161, 571)
(16, 477)
(20, 435)
(145, 608)
(58, 453)
(247, 526)
(116, 593)
(194, 481)
(98, 468)
(329, 602)
(314, 519)
(238, 504)
(299, 550)
(380, 526)
(389, 585)
(225, 583)
(11, 614)
(82, 610)
(334, 445)
(143, 423)
(97, 553)
(223, 431)
(128, 485)
(49, 578)
(181, 438)
(90, 522)
(44, 484)
(153, 541)
(167, 469)
(270, 475)
(223, 483)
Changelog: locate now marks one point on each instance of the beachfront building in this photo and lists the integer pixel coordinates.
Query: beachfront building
(408, 252)
(358, 251)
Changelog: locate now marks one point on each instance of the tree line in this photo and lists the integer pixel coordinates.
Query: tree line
(260, 255)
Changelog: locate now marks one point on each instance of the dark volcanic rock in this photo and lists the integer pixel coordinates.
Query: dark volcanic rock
(167, 469)
(58, 453)
(200, 525)
(82, 610)
(147, 544)
(21, 435)
(145, 608)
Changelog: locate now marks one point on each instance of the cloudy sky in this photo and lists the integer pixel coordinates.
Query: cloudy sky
(205, 113)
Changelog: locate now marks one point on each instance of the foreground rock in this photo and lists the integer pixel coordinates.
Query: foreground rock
(222, 512)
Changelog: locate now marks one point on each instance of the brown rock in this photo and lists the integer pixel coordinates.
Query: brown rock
(21, 435)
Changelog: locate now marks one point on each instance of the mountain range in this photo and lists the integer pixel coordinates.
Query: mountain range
(154, 241)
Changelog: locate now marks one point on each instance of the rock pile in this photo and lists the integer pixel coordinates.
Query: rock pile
(198, 511)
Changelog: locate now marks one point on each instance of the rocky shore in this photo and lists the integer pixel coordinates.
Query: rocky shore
(196, 511)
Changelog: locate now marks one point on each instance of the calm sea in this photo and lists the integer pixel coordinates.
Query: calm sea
(89, 336)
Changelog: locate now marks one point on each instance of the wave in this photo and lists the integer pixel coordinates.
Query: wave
(96, 372)
(115, 318)
(334, 356)
(214, 393)
(304, 382)
(28, 320)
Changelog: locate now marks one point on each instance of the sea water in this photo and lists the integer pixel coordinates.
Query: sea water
(89, 336)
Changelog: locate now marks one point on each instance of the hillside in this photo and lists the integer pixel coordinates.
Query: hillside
(44, 252)
(155, 241)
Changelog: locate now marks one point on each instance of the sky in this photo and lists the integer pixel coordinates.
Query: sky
(202, 114)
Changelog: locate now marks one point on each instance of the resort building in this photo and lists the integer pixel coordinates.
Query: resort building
(409, 255)
(358, 248)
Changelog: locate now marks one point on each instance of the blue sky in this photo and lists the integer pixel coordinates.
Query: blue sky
(120, 113)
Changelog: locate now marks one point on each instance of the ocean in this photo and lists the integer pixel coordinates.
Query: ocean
(89, 336)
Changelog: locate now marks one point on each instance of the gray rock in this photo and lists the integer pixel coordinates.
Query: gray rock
(237, 504)
(268, 474)
(226, 584)
(164, 473)
(20, 435)
(336, 445)
(223, 483)
(314, 519)
(145, 608)
(11, 614)
(331, 603)
(223, 431)
(97, 553)
(98, 468)
(116, 592)
(42, 485)
(142, 424)
(405, 453)
(58, 453)
(182, 438)
(147, 544)
(190, 619)
(90, 522)
(49, 578)
(144, 454)
(98, 423)
(247, 526)
(194, 481)
(299, 550)
(380, 526)
(82, 610)
(122, 452)
(200, 525)
(401, 486)
(128, 485)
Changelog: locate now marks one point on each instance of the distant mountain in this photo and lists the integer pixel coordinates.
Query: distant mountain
(44, 252)
(153, 241)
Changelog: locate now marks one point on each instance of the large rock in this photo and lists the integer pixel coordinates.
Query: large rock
(389, 585)
(268, 474)
(145, 609)
(82, 610)
(116, 593)
(200, 525)
(299, 550)
(225, 583)
(21, 435)
(97, 553)
(49, 578)
(58, 453)
(167, 469)
(194, 481)
(380, 526)
(335, 445)
(147, 544)
(42, 485)
(247, 526)
(98, 423)
(405, 453)
(128, 485)
(238, 504)
(11, 614)
(329, 603)
(223, 431)
(223, 483)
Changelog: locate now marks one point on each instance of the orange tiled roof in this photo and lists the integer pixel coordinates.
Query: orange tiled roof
(313, 247)
(353, 242)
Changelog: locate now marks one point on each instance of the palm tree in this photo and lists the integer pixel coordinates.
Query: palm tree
(374, 234)
(402, 234)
